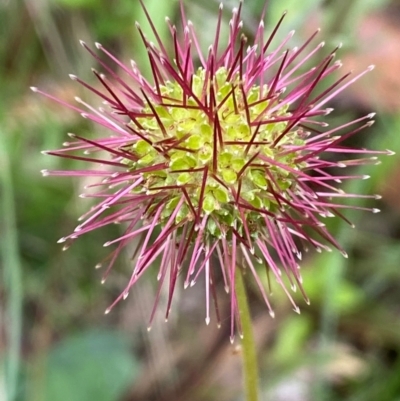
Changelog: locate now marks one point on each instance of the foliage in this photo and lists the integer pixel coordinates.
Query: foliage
(352, 320)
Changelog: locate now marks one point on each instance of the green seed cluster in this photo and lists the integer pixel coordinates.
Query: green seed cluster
(186, 143)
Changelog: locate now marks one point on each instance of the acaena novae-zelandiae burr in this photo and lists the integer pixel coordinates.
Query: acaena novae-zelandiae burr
(219, 160)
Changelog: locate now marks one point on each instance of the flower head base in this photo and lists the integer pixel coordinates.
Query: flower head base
(218, 160)
(217, 166)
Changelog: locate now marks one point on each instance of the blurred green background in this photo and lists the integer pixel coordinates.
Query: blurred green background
(55, 342)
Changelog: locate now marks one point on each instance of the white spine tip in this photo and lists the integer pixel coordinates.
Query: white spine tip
(272, 314)
(98, 45)
(297, 310)
(371, 67)
(149, 328)
(107, 311)
(34, 89)
(376, 210)
(345, 255)
(82, 43)
(73, 77)
(61, 240)
(366, 177)
(378, 196)
(103, 280)
(232, 339)
(125, 295)
(390, 152)
(207, 321)
(98, 266)
(106, 244)
(45, 173)
(71, 135)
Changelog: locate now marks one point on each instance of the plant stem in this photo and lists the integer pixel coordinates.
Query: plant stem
(12, 275)
(249, 352)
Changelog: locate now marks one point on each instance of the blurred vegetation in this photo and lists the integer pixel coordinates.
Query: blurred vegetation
(55, 342)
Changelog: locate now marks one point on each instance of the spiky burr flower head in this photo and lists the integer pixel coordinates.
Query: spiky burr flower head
(217, 165)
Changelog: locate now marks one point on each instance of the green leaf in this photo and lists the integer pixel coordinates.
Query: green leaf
(96, 365)
(77, 3)
(293, 334)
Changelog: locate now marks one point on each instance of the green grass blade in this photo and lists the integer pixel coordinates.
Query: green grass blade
(12, 274)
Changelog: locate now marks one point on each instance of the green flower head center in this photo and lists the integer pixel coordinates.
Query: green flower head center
(226, 142)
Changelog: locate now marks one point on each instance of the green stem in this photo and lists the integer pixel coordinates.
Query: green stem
(249, 352)
(12, 274)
